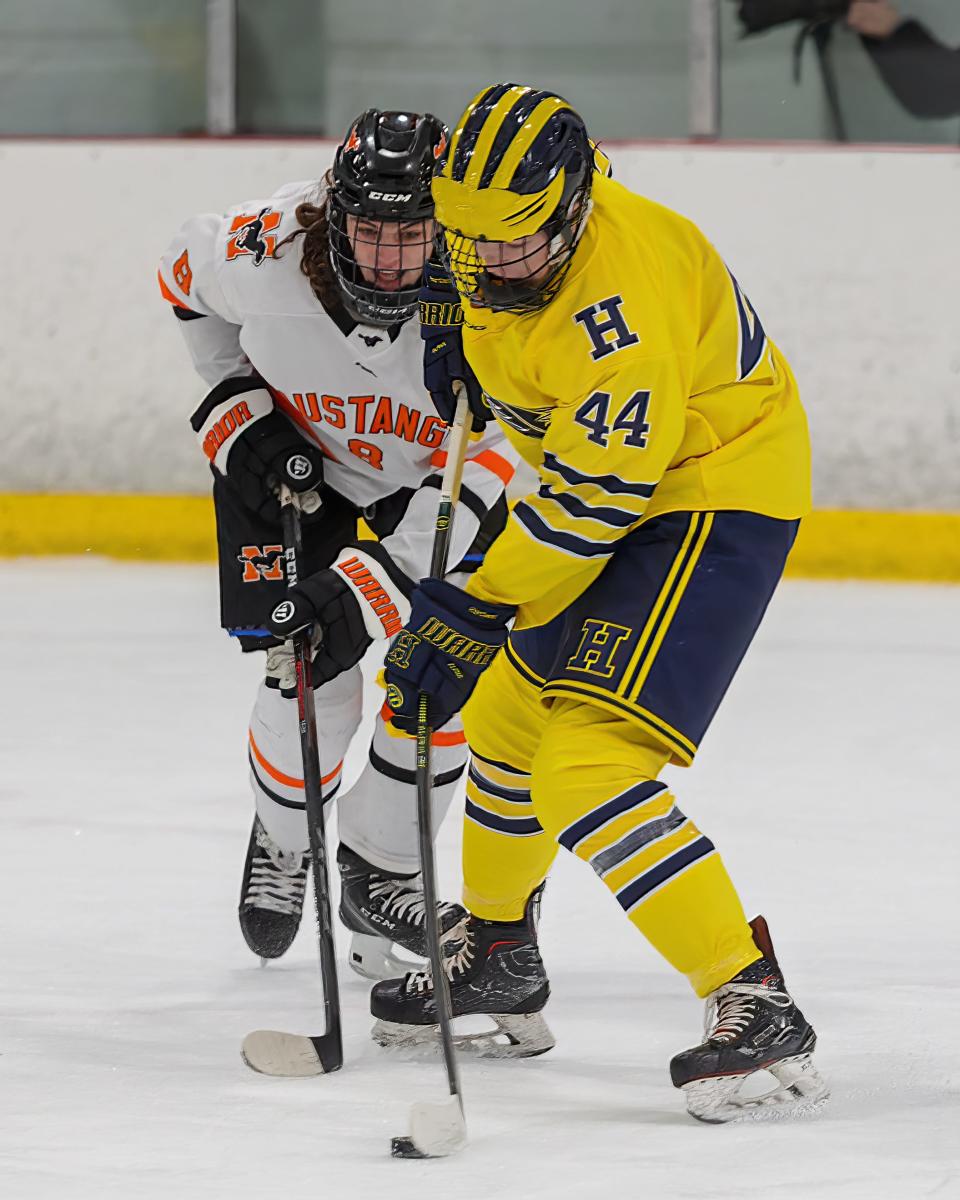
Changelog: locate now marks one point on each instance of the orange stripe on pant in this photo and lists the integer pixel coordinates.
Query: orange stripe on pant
(287, 780)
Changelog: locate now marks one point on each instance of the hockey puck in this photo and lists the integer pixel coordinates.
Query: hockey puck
(403, 1147)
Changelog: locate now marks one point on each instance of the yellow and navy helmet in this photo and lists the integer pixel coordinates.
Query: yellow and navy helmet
(518, 163)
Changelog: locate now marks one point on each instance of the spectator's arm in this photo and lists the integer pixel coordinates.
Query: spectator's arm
(873, 18)
(922, 73)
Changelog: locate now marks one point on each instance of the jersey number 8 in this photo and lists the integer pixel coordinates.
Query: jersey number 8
(593, 413)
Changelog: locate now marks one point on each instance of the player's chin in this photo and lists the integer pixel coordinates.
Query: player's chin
(395, 283)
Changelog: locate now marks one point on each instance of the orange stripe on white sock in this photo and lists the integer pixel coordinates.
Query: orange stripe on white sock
(287, 780)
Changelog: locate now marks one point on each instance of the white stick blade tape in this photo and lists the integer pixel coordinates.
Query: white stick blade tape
(437, 1130)
(289, 1055)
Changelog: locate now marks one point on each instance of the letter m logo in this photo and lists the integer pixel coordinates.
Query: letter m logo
(261, 562)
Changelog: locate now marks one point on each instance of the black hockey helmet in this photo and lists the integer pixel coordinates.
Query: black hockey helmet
(519, 163)
(382, 174)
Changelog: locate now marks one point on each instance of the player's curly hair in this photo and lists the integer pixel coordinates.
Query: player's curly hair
(315, 255)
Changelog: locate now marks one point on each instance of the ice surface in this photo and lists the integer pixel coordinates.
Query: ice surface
(829, 781)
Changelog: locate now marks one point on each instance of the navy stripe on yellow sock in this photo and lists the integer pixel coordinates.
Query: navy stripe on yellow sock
(511, 795)
(634, 796)
(514, 826)
(661, 873)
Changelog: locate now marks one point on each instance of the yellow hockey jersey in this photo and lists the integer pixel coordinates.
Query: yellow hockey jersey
(647, 385)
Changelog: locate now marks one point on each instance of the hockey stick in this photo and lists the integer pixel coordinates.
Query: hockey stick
(268, 1051)
(437, 1129)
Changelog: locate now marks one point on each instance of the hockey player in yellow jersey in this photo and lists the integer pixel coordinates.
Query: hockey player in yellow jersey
(630, 370)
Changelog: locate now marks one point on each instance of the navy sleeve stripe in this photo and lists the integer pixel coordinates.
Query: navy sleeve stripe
(617, 517)
(607, 483)
(570, 543)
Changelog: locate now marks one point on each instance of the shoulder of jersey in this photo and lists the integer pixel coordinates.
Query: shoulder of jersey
(617, 258)
(256, 275)
(617, 203)
(632, 244)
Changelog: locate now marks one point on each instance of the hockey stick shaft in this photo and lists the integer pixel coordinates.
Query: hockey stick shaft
(329, 1046)
(449, 494)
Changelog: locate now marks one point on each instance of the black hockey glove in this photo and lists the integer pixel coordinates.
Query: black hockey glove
(362, 596)
(441, 323)
(255, 447)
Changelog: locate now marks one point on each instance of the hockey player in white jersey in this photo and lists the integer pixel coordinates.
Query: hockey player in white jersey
(299, 313)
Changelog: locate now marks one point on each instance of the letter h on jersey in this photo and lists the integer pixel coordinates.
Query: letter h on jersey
(598, 329)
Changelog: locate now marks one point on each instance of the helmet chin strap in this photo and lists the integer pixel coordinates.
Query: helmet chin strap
(567, 237)
(587, 210)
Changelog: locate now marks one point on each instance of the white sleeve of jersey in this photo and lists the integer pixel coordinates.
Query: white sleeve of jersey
(302, 189)
(188, 281)
(490, 465)
(214, 346)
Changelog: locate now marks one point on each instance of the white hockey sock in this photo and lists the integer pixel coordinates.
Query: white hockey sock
(378, 814)
(276, 764)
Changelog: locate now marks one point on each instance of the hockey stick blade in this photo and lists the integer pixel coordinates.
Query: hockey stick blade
(436, 1130)
(290, 1055)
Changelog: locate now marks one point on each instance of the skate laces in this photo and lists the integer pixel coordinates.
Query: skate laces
(732, 1007)
(277, 880)
(460, 945)
(402, 898)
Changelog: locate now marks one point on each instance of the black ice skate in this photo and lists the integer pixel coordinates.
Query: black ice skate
(752, 1026)
(271, 896)
(382, 910)
(495, 971)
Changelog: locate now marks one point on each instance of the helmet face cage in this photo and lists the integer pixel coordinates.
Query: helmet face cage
(535, 288)
(365, 249)
(380, 212)
(540, 259)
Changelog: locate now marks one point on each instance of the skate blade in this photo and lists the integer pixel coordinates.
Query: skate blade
(516, 1035)
(798, 1090)
(436, 1130)
(289, 1055)
(374, 957)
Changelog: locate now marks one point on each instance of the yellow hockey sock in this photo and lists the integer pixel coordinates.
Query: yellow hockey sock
(595, 789)
(506, 854)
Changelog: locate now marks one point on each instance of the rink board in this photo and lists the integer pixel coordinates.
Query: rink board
(833, 544)
(98, 386)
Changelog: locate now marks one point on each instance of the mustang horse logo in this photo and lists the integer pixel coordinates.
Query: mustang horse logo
(251, 235)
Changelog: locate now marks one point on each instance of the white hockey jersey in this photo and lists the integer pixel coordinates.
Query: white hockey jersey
(355, 390)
